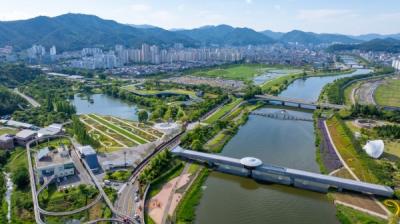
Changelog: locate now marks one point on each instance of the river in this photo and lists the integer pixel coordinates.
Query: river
(231, 199)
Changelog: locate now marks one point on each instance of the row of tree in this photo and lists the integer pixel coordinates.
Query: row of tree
(388, 131)
(156, 167)
(80, 132)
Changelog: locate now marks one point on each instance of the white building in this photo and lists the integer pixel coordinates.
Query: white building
(51, 130)
(55, 162)
(396, 64)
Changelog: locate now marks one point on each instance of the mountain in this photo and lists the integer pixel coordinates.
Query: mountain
(75, 31)
(388, 44)
(314, 38)
(272, 34)
(226, 35)
(142, 26)
(371, 36)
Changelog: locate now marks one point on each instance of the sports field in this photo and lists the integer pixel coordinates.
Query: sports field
(388, 94)
(115, 133)
(236, 72)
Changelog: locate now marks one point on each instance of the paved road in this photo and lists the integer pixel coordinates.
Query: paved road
(33, 102)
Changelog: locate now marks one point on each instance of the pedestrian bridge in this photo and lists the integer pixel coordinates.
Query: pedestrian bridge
(256, 169)
(299, 102)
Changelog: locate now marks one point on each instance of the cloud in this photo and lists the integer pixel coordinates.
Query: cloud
(249, 1)
(323, 14)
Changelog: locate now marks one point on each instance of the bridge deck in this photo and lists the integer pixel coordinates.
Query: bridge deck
(299, 101)
(340, 183)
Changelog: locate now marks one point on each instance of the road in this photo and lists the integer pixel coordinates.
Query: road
(125, 203)
(33, 102)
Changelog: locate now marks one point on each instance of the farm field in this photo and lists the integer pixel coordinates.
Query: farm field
(115, 133)
(388, 94)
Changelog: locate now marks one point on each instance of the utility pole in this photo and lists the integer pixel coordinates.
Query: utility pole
(125, 158)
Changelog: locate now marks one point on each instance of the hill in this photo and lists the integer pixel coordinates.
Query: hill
(76, 31)
(388, 44)
(314, 38)
(226, 35)
(13, 75)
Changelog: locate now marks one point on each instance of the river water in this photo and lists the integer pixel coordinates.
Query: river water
(231, 199)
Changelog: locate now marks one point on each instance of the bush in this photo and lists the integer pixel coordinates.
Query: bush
(21, 177)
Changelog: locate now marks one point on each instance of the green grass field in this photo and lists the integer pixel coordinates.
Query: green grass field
(6, 130)
(222, 111)
(132, 88)
(348, 152)
(388, 94)
(348, 215)
(235, 72)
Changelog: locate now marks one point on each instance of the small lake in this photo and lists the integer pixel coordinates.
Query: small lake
(105, 105)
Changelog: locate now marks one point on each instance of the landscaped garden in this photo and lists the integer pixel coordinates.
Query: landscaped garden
(114, 133)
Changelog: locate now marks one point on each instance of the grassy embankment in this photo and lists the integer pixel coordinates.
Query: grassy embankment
(223, 110)
(133, 89)
(21, 198)
(243, 72)
(348, 215)
(348, 151)
(388, 93)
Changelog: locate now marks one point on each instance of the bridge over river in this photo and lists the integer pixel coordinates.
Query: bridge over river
(299, 102)
(256, 169)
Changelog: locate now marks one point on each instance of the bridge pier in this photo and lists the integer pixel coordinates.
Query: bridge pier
(299, 105)
(283, 103)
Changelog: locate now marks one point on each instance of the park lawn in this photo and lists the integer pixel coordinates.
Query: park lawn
(348, 215)
(388, 94)
(393, 148)
(119, 175)
(69, 199)
(6, 130)
(348, 91)
(223, 110)
(117, 129)
(348, 152)
(234, 72)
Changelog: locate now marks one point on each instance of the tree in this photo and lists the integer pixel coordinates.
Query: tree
(143, 116)
(196, 145)
(21, 177)
(82, 188)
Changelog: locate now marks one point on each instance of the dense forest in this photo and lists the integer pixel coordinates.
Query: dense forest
(10, 102)
(53, 94)
(13, 75)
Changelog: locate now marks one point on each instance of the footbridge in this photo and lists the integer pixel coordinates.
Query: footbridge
(256, 169)
(281, 115)
(285, 101)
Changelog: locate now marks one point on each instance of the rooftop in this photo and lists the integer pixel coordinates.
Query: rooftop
(26, 133)
(46, 158)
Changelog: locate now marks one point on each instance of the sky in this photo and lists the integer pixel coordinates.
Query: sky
(322, 16)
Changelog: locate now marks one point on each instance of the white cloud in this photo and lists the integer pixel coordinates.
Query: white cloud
(323, 14)
(249, 1)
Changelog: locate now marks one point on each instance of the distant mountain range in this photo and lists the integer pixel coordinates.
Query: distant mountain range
(387, 44)
(76, 31)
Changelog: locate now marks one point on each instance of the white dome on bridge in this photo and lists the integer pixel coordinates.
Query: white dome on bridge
(251, 162)
(374, 148)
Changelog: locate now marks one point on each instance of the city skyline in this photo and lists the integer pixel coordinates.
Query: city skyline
(347, 17)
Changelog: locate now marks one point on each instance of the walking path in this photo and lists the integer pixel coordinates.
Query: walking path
(134, 127)
(33, 102)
